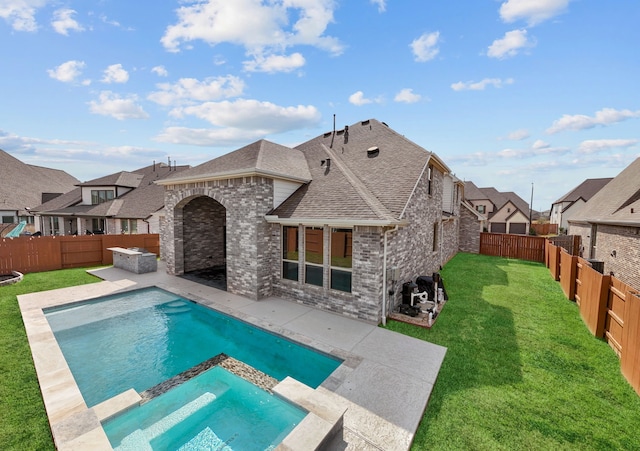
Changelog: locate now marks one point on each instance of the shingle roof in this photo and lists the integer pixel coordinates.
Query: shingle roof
(23, 185)
(585, 191)
(259, 157)
(472, 192)
(140, 203)
(615, 202)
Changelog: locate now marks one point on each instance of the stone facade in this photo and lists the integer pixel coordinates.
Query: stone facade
(245, 202)
(619, 248)
(584, 230)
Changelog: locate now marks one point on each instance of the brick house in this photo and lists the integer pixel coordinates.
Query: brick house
(338, 222)
(123, 202)
(569, 205)
(504, 212)
(609, 224)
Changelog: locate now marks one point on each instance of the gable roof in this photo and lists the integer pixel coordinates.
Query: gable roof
(472, 192)
(618, 202)
(585, 191)
(259, 158)
(24, 185)
(364, 173)
(141, 202)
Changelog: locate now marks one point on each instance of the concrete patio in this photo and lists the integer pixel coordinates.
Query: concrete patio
(383, 386)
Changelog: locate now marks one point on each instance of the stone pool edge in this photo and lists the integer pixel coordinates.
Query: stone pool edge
(74, 426)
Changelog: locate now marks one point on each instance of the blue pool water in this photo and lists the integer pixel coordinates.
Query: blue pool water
(206, 412)
(141, 338)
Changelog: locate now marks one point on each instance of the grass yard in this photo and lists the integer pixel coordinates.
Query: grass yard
(521, 370)
(23, 420)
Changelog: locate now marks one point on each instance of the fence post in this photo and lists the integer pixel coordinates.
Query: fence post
(630, 358)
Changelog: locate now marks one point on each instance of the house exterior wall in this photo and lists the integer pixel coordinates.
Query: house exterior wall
(364, 301)
(624, 263)
(248, 247)
(572, 211)
(584, 230)
(450, 239)
(204, 236)
(469, 232)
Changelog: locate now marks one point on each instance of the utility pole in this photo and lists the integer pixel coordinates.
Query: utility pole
(531, 208)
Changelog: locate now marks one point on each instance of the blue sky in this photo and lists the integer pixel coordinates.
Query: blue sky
(509, 93)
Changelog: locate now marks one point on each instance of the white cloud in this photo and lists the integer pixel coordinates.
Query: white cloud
(67, 72)
(21, 13)
(425, 47)
(190, 90)
(599, 145)
(539, 144)
(407, 96)
(63, 22)
(382, 6)
(115, 74)
(533, 11)
(160, 71)
(480, 85)
(262, 28)
(239, 121)
(111, 104)
(518, 135)
(275, 63)
(512, 42)
(605, 116)
(358, 99)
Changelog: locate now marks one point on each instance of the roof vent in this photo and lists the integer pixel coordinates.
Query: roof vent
(373, 152)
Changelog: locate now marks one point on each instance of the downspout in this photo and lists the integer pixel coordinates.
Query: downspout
(384, 276)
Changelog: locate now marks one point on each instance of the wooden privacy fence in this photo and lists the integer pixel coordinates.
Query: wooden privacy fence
(609, 308)
(49, 253)
(513, 246)
(545, 229)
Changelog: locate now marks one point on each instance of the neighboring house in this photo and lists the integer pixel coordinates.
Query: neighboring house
(471, 225)
(609, 224)
(124, 202)
(338, 222)
(23, 187)
(569, 205)
(505, 212)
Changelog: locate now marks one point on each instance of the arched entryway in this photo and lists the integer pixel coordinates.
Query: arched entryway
(204, 242)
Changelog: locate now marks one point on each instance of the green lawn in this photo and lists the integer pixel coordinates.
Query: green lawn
(521, 370)
(23, 420)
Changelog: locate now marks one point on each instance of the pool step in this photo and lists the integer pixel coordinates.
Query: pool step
(177, 306)
(140, 439)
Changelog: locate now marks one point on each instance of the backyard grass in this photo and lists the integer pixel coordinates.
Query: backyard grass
(521, 370)
(23, 420)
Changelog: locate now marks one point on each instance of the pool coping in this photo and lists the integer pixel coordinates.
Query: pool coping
(381, 390)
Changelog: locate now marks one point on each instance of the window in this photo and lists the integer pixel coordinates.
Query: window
(99, 196)
(480, 208)
(97, 225)
(341, 259)
(7, 219)
(435, 236)
(124, 225)
(430, 179)
(290, 252)
(314, 255)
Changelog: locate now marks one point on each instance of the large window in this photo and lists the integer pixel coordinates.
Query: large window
(129, 226)
(97, 225)
(314, 255)
(8, 219)
(341, 259)
(290, 252)
(99, 196)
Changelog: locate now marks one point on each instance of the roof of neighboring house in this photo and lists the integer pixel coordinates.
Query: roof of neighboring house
(585, 191)
(618, 202)
(472, 192)
(261, 157)
(139, 203)
(23, 185)
(371, 176)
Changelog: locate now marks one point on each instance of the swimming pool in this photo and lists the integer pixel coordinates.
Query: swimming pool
(140, 338)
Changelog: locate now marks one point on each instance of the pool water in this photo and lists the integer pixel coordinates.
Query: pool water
(141, 338)
(206, 412)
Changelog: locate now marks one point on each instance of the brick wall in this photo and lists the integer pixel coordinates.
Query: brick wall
(624, 263)
(469, 231)
(204, 238)
(584, 230)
